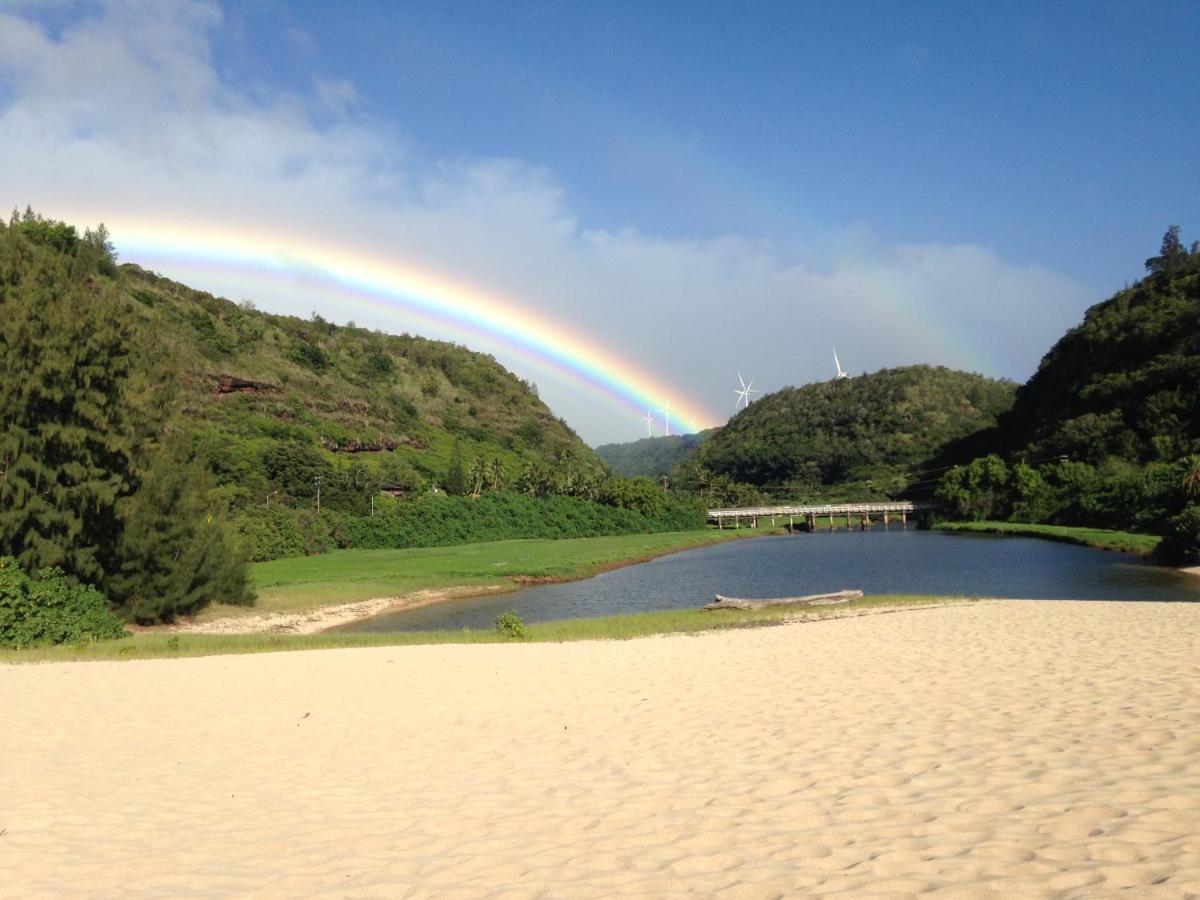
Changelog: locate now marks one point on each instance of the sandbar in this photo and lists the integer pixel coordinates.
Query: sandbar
(996, 749)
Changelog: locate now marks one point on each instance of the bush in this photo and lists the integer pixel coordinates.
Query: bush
(1181, 538)
(512, 626)
(263, 534)
(46, 608)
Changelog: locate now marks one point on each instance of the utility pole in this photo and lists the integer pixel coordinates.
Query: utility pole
(317, 481)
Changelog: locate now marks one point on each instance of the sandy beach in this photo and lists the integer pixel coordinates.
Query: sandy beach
(997, 749)
(323, 618)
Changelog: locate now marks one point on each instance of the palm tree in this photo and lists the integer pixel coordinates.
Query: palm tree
(476, 477)
(497, 475)
(1191, 475)
(566, 458)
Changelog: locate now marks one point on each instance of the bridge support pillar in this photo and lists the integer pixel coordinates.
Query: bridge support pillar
(904, 519)
(885, 519)
(866, 521)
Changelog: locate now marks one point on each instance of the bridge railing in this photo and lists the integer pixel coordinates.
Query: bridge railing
(836, 509)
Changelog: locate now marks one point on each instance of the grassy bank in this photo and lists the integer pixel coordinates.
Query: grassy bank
(346, 576)
(164, 645)
(1123, 541)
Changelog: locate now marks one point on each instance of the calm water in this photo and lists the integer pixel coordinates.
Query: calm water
(877, 562)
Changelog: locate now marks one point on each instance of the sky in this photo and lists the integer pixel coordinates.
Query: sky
(625, 203)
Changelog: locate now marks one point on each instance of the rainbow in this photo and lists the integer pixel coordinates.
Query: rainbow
(268, 260)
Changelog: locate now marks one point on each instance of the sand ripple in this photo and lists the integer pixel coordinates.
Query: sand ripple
(993, 750)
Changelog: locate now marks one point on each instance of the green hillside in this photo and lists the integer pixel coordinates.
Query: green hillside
(853, 437)
(652, 456)
(1107, 432)
(1123, 383)
(347, 402)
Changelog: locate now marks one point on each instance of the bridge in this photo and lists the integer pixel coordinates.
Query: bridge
(885, 512)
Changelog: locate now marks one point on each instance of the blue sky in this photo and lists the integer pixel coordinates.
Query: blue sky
(951, 183)
(1064, 134)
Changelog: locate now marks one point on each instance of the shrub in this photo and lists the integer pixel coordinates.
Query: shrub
(262, 533)
(1181, 538)
(512, 626)
(46, 608)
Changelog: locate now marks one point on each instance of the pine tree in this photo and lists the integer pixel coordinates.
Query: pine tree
(84, 398)
(70, 422)
(175, 557)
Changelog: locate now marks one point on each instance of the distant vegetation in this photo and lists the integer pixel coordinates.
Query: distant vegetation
(853, 438)
(1107, 432)
(1102, 538)
(652, 457)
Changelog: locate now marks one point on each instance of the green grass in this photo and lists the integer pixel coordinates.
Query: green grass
(165, 645)
(1123, 541)
(347, 576)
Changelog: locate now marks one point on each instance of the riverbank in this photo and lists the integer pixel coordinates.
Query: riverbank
(307, 595)
(1100, 538)
(180, 644)
(887, 754)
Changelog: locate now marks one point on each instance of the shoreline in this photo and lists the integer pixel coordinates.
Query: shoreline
(321, 619)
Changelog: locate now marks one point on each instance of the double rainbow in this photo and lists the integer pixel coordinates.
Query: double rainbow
(268, 261)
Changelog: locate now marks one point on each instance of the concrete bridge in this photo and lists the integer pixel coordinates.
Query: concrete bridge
(862, 512)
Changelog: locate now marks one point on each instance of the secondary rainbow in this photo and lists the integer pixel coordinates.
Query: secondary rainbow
(270, 260)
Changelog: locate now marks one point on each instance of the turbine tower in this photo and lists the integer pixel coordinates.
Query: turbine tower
(744, 393)
(840, 372)
(666, 411)
(649, 417)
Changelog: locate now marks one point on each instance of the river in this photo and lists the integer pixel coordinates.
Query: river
(877, 562)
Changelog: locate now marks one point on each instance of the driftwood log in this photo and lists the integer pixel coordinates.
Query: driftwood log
(810, 600)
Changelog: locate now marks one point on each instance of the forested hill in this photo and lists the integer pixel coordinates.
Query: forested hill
(1125, 382)
(853, 437)
(340, 397)
(652, 456)
(1107, 432)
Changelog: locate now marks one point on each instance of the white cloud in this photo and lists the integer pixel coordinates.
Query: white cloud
(122, 117)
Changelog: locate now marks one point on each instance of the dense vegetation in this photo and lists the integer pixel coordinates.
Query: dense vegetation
(274, 403)
(1107, 432)
(46, 608)
(845, 439)
(91, 481)
(652, 457)
(438, 520)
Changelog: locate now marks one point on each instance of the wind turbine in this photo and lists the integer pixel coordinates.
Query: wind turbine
(744, 393)
(666, 411)
(840, 372)
(649, 417)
